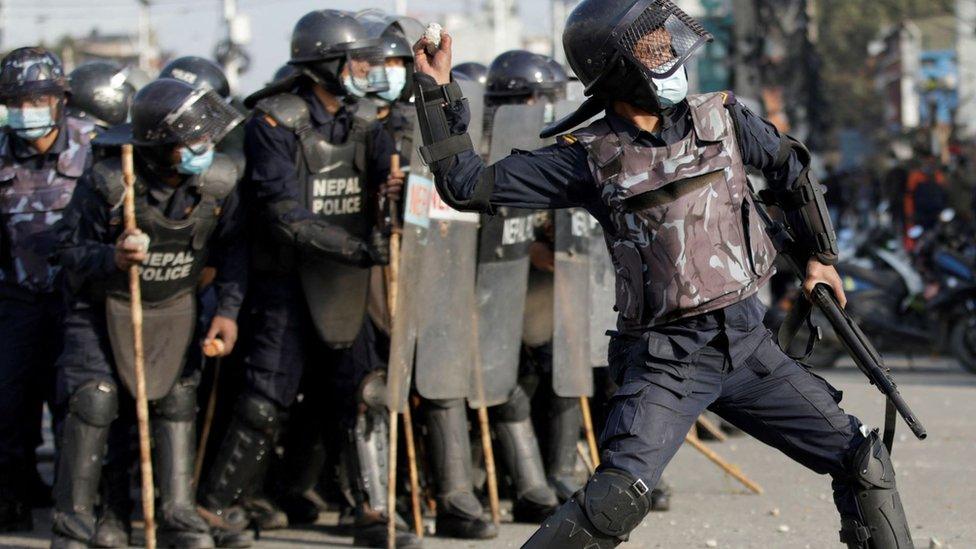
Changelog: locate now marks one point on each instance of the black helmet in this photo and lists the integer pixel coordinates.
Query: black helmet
(325, 41)
(100, 91)
(377, 22)
(617, 48)
(170, 112)
(521, 74)
(29, 72)
(197, 72)
(655, 36)
(471, 71)
(284, 72)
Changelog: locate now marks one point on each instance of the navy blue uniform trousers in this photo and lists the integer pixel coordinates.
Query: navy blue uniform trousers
(30, 341)
(763, 392)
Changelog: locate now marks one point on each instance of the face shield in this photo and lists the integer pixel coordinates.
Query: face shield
(365, 72)
(661, 38)
(201, 122)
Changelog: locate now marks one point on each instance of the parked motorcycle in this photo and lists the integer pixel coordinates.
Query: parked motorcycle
(901, 309)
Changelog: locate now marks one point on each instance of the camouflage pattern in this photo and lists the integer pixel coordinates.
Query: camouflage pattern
(31, 203)
(686, 239)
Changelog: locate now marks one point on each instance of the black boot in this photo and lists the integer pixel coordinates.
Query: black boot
(84, 434)
(459, 513)
(535, 499)
(15, 515)
(248, 443)
(566, 420)
(175, 435)
(113, 528)
(661, 497)
(264, 512)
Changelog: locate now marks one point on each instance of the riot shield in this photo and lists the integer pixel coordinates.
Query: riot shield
(446, 336)
(602, 296)
(516, 127)
(167, 329)
(413, 244)
(572, 374)
(503, 267)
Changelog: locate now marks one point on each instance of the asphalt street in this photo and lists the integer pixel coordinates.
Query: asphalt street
(937, 479)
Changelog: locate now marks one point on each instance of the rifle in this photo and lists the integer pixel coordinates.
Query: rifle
(865, 356)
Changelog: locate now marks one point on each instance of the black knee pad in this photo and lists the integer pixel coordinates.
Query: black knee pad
(882, 523)
(517, 408)
(615, 502)
(96, 403)
(180, 404)
(260, 414)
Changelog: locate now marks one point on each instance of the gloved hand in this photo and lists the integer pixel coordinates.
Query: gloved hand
(379, 248)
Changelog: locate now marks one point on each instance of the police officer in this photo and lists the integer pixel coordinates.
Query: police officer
(188, 217)
(316, 167)
(100, 92)
(43, 152)
(664, 174)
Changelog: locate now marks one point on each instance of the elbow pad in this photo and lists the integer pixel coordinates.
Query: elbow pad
(441, 146)
(804, 205)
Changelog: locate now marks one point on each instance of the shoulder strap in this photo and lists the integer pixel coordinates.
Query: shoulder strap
(108, 180)
(708, 112)
(601, 144)
(220, 179)
(287, 109)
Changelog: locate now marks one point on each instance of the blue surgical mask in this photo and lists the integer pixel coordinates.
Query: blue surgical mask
(31, 122)
(194, 164)
(397, 79)
(352, 88)
(673, 89)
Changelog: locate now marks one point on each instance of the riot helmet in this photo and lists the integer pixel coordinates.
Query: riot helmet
(101, 92)
(170, 115)
(198, 72)
(333, 49)
(471, 71)
(33, 87)
(378, 22)
(630, 49)
(397, 51)
(520, 76)
(284, 72)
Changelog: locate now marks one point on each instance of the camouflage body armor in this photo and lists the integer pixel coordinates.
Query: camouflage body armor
(31, 201)
(685, 238)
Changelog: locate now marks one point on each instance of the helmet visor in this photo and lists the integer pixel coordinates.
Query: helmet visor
(661, 38)
(202, 121)
(366, 68)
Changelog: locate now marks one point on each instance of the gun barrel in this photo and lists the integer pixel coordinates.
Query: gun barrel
(864, 355)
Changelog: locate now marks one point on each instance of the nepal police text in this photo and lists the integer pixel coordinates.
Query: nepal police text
(167, 266)
(337, 196)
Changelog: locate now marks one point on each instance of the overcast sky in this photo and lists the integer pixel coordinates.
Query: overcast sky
(192, 27)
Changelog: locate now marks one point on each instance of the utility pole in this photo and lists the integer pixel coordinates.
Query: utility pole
(232, 65)
(144, 31)
(966, 55)
(500, 22)
(3, 23)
